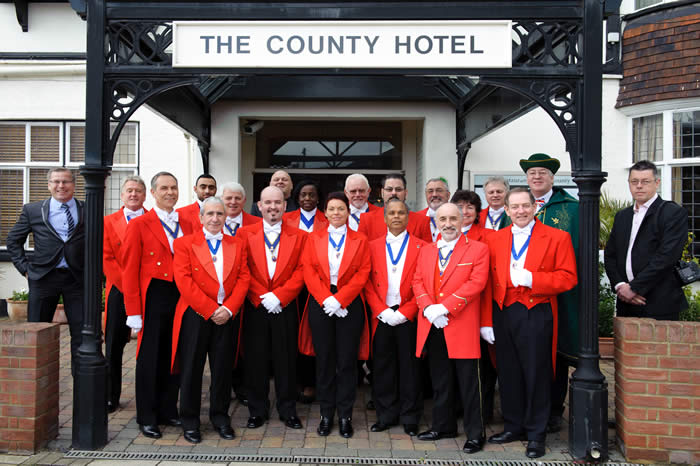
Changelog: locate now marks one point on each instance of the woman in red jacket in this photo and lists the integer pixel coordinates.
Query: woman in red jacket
(335, 272)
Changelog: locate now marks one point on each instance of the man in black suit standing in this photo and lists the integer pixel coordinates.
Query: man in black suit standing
(645, 243)
(56, 267)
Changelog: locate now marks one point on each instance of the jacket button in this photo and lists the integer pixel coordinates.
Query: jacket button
(196, 269)
(152, 253)
(157, 263)
(165, 274)
(530, 299)
(441, 295)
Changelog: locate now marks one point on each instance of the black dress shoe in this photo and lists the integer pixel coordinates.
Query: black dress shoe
(255, 421)
(292, 422)
(150, 431)
(411, 429)
(473, 446)
(225, 432)
(534, 449)
(112, 407)
(325, 426)
(173, 421)
(193, 436)
(505, 437)
(380, 427)
(345, 427)
(370, 405)
(431, 435)
(553, 424)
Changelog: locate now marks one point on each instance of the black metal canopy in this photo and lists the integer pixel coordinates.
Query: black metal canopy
(557, 65)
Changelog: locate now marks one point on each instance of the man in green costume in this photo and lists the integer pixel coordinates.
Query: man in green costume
(559, 209)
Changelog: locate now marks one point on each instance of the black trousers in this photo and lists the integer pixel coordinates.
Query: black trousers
(117, 335)
(443, 372)
(336, 341)
(488, 382)
(270, 337)
(198, 340)
(396, 388)
(524, 356)
(560, 385)
(156, 387)
(43, 299)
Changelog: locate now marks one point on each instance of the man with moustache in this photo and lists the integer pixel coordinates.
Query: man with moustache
(495, 218)
(448, 282)
(372, 223)
(204, 187)
(396, 388)
(531, 264)
(271, 322)
(150, 297)
(282, 180)
(212, 273)
(117, 333)
(436, 194)
(357, 190)
(233, 197)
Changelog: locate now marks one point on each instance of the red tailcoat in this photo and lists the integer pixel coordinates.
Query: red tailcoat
(352, 277)
(378, 283)
(292, 219)
(550, 258)
(373, 226)
(196, 278)
(459, 291)
(146, 255)
(191, 212)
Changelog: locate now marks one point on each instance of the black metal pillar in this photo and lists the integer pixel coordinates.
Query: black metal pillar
(90, 381)
(588, 394)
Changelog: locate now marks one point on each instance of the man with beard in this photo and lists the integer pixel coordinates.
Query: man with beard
(357, 190)
(282, 180)
(436, 194)
(204, 187)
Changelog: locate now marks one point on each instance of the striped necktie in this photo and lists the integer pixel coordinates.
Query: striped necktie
(69, 218)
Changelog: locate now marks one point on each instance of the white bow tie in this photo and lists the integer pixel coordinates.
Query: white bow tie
(273, 229)
(132, 213)
(391, 239)
(520, 231)
(341, 230)
(172, 217)
(230, 221)
(210, 237)
(441, 243)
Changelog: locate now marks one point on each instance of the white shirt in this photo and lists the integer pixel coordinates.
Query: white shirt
(394, 272)
(496, 216)
(171, 219)
(307, 216)
(433, 225)
(520, 276)
(637, 219)
(218, 262)
(466, 229)
(231, 223)
(132, 214)
(355, 212)
(544, 198)
(444, 250)
(335, 257)
(272, 232)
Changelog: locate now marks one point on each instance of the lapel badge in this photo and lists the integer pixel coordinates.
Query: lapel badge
(555, 220)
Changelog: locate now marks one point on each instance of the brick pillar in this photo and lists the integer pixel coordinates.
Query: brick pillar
(657, 390)
(29, 365)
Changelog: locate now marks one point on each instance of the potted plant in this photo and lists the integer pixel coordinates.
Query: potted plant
(17, 305)
(59, 316)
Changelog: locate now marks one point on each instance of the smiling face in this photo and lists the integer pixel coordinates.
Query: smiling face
(540, 180)
(165, 192)
(449, 221)
(282, 180)
(396, 217)
(61, 186)
(520, 208)
(468, 213)
(436, 194)
(337, 212)
(308, 198)
(495, 193)
(234, 202)
(213, 217)
(206, 187)
(272, 204)
(357, 192)
(133, 195)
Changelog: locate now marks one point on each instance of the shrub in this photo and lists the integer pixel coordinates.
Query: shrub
(606, 305)
(20, 295)
(692, 314)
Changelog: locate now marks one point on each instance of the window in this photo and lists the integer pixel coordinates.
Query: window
(647, 138)
(639, 4)
(28, 150)
(686, 135)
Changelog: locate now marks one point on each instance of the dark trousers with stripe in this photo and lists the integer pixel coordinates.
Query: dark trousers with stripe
(336, 341)
(396, 388)
(270, 337)
(524, 356)
(198, 340)
(156, 387)
(443, 372)
(117, 335)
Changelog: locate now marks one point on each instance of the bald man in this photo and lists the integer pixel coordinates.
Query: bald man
(282, 180)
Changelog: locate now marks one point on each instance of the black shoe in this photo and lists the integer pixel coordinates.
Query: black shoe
(173, 421)
(112, 407)
(380, 427)
(150, 431)
(473, 446)
(193, 436)
(292, 422)
(225, 432)
(345, 426)
(431, 435)
(553, 424)
(411, 429)
(534, 449)
(505, 437)
(325, 426)
(370, 405)
(255, 421)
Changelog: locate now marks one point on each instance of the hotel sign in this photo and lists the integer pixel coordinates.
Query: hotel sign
(342, 44)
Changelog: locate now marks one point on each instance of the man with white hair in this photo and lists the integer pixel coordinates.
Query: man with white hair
(234, 198)
(495, 217)
(437, 192)
(357, 190)
(282, 180)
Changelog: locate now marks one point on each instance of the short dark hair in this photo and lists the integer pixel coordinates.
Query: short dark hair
(339, 195)
(517, 190)
(392, 200)
(470, 197)
(204, 175)
(645, 165)
(394, 176)
(306, 182)
(154, 180)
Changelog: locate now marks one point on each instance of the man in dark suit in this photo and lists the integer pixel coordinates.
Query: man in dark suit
(56, 268)
(646, 241)
(282, 180)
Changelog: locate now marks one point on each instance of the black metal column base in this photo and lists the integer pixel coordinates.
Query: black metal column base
(90, 402)
(588, 421)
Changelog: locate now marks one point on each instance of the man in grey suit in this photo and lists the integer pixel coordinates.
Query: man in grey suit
(55, 268)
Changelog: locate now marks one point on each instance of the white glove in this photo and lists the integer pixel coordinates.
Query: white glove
(331, 306)
(385, 316)
(440, 322)
(134, 322)
(270, 301)
(276, 310)
(399, 318)
(521, 277)
(487, 335)
(433, 311)
(341, 312)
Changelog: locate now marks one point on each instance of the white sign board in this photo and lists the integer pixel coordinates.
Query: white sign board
(342, 44)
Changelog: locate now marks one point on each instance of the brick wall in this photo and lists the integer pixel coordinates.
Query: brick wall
(657, 390)
(29, 364)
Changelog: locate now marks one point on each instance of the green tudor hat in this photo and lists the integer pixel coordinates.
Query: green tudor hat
(540, 160)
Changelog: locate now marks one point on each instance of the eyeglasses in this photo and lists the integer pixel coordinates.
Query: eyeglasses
(394, 190)
(435, 191)
(645, 182)
(538, 172)
(61, 181)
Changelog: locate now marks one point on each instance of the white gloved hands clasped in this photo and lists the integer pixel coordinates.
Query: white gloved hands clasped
(434, 311)
(331, 306)
(487, 335)
(441, 322)
(134, 322)
(271, 303)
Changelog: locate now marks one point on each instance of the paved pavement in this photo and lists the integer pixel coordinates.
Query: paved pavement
(275, 439)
